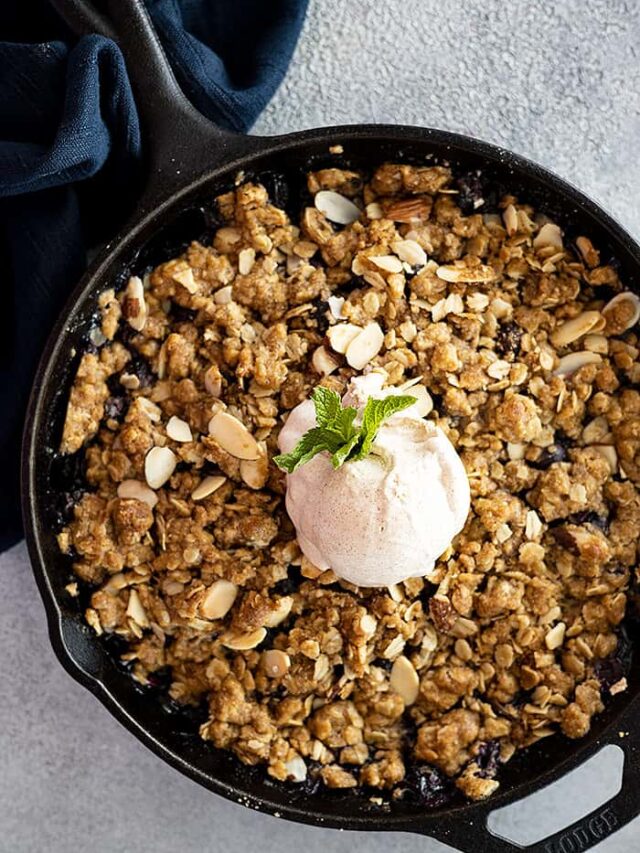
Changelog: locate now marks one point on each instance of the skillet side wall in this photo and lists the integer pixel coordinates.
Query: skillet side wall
(283, 162)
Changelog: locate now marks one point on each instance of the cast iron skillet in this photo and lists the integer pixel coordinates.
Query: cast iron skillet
(190, 160)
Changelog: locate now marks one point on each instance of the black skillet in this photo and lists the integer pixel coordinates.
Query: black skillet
(190, 160)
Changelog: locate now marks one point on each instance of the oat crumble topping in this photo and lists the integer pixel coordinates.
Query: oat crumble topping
(529, 360)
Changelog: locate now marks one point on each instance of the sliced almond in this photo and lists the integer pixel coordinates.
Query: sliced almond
(394, 648)
(365, 346)
(213, 380)
(259, 391)
(549, 235)
(573, 361)
(218, 599)
(308, 570)
(296, 769)
(324, 362)
(244, 642)
(150, 409)
(226, 238)
(136, 490)
(453, 304)
(388, 263)
(609, 453)
(596, 343)
(453, 273)
(374, 211)
(247, 333)
(533, 525)
(223, 296)
(477, 301)
(424, 400)
(207, 487)
(336, 207)
(555, 637)
(255, 472)
(575, 328)
(596, 431)
(185, 278)
(233, 436)
(159, 465)
(321, 668)
(179, 430)
(590, 255)
(136, 611)
(404, 680)
(546, 358)
(395, 591)
(275, 663)
(499, 369)
(516, 451)
(368, 625)
(621, 313)
(340, 336)
(503, 533)
(510, 217)
(161, 391)
(408, 331)
(97, 337)
(411, 252)
(162, 361)
(93, 620)
(501, 308)
(305, 249)
(246, 260)
(316, 226)
(619, 687)
(116, 583)
(134, 306)
(280, 613)
(336, 304)
(129, 381)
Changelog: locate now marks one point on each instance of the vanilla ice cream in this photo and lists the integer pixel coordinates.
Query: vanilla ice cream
(384, 518)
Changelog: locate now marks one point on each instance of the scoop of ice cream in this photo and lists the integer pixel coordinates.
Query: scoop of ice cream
(387, 517)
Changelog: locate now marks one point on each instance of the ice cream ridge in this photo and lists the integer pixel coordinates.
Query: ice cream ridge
(375, 491)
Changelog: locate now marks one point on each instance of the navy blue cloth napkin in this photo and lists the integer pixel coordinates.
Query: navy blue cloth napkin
(70, 152)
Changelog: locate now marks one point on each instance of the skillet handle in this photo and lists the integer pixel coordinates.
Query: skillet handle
(472, 834)
(180, 143)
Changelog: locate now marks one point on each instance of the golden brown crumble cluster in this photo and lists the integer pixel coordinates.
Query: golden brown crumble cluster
(529, 358)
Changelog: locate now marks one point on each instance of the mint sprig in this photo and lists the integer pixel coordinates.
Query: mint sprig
(336, 432)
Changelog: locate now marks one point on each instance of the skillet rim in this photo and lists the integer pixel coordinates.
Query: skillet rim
(252, 148)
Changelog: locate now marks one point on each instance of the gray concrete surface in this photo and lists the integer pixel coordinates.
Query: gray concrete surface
(557, 81)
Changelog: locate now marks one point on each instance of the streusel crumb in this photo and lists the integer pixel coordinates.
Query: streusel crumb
(510, 641)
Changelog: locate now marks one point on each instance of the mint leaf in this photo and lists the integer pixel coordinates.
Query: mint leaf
(375, 412)
(314, 441)
(327, 404)
(344, 422)
(342, 454)
(336, 433)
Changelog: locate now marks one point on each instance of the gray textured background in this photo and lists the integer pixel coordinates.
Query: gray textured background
(557, 81)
